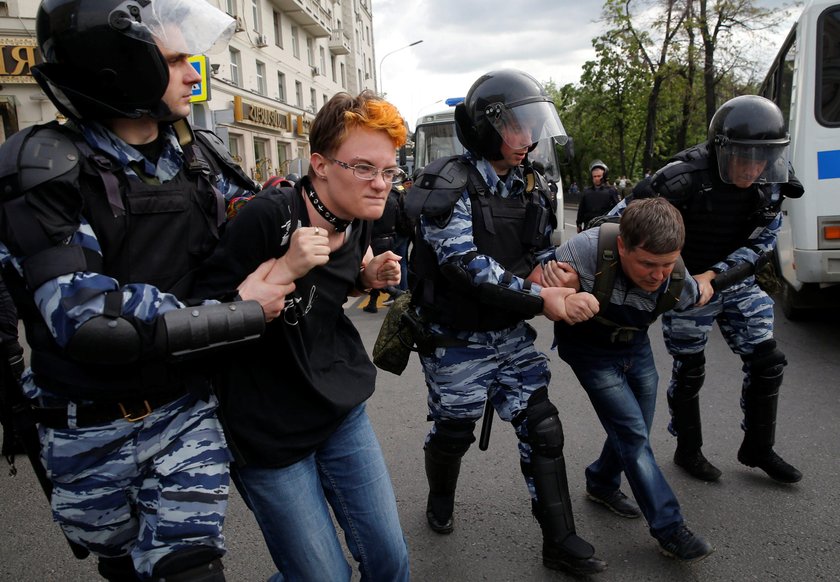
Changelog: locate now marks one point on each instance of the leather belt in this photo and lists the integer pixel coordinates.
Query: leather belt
(104, 412)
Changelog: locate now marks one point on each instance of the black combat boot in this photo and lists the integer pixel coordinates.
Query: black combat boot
(760, 403)
(562, 548)
(684, 405)
(442, 471)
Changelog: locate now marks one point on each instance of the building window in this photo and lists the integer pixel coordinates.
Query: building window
(343, 77)
(295, 42)
(260, 78)
(310, 53)
(262, 170)
(235, 147)
(282, 158)
(278, 29)
(325, 98)
(313, 98)
(299, 94)
(256, 14)
(332, 65)
(235, 67)
(230, 7)
(323, 59)
(281, 86)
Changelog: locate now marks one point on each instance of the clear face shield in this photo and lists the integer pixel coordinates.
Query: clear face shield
(521, 126)
(744, 163)
(189, 27)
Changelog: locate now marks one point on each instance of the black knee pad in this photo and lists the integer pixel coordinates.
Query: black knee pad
(119, 569)
(453, 437)
(691, 374)
(767, 365)
(545, 432)
(195, 564)
(766, 360)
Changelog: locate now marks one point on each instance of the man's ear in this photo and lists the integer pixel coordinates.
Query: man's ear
(622, 248)
(318, 162)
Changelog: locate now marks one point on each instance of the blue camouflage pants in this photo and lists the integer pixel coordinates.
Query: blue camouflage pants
(503, 366)
(744, 314)
(145, 488)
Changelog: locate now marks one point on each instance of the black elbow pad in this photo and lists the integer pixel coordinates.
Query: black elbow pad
(197, 330)
(105, 340)
(509, 299)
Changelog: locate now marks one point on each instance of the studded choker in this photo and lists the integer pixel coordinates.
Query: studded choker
(339, 224)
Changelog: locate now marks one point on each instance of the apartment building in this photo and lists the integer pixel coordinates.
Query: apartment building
(287, 58)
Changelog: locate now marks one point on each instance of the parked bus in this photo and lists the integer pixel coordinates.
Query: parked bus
(435, 137)
(804, 81)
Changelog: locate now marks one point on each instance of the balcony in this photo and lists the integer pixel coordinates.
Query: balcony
(308, 14)
(339, 42)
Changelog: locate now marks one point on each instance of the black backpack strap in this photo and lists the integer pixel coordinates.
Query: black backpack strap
(607, 266)
(669, 299)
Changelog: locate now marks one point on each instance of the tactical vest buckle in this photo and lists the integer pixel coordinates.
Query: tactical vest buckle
(134, 416)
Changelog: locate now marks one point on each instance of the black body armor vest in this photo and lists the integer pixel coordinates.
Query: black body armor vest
(155, 234)
(502, 229)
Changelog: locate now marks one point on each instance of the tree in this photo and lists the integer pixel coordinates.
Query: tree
(719, 25)
(666, 25)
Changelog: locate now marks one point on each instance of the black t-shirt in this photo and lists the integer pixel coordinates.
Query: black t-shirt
(285, 394)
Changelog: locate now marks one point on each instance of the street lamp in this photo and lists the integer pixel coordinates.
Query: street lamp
(381, 89)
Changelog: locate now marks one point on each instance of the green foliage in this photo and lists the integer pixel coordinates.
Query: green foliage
(652, 53)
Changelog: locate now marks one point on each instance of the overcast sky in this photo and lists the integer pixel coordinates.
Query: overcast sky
(462, 39)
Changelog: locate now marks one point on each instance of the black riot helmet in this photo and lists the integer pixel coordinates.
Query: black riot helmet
(506, 105)
(102, 58)
(747, 136)
(603, 166)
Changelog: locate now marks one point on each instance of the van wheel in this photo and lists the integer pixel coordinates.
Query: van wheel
(793, 301)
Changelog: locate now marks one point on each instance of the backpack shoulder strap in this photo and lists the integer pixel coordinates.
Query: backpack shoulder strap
(669, 299)
(607, 266)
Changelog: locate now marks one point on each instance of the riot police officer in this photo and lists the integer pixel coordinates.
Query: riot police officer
(485, 220)
(730, 190)
(599, 198)
(102, 223)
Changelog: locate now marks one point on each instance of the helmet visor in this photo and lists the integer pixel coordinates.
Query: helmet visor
(521, 126)
(753, 163)
(190, 27)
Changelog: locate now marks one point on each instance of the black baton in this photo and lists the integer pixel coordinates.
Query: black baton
(486, 425)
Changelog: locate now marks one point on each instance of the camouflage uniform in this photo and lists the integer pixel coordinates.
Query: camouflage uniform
(726, 226)
(503, 365)
(147, 488)
(743, 312)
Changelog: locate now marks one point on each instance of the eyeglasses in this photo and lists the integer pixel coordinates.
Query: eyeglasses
(368, 172)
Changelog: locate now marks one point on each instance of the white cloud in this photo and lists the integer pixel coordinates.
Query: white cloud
(462, 39)
(550, 39)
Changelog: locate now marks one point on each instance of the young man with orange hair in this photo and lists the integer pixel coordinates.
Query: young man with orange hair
(294, 406)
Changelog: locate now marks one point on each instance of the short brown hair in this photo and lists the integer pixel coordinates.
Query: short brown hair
(653, 224)
(344, 112)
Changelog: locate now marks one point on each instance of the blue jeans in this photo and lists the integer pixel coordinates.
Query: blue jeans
(292, 506)
(621, 384)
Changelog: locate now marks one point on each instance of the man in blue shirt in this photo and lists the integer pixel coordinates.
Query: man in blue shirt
(606, 344)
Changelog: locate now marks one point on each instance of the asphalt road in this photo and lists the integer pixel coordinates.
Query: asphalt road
(761, 530)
